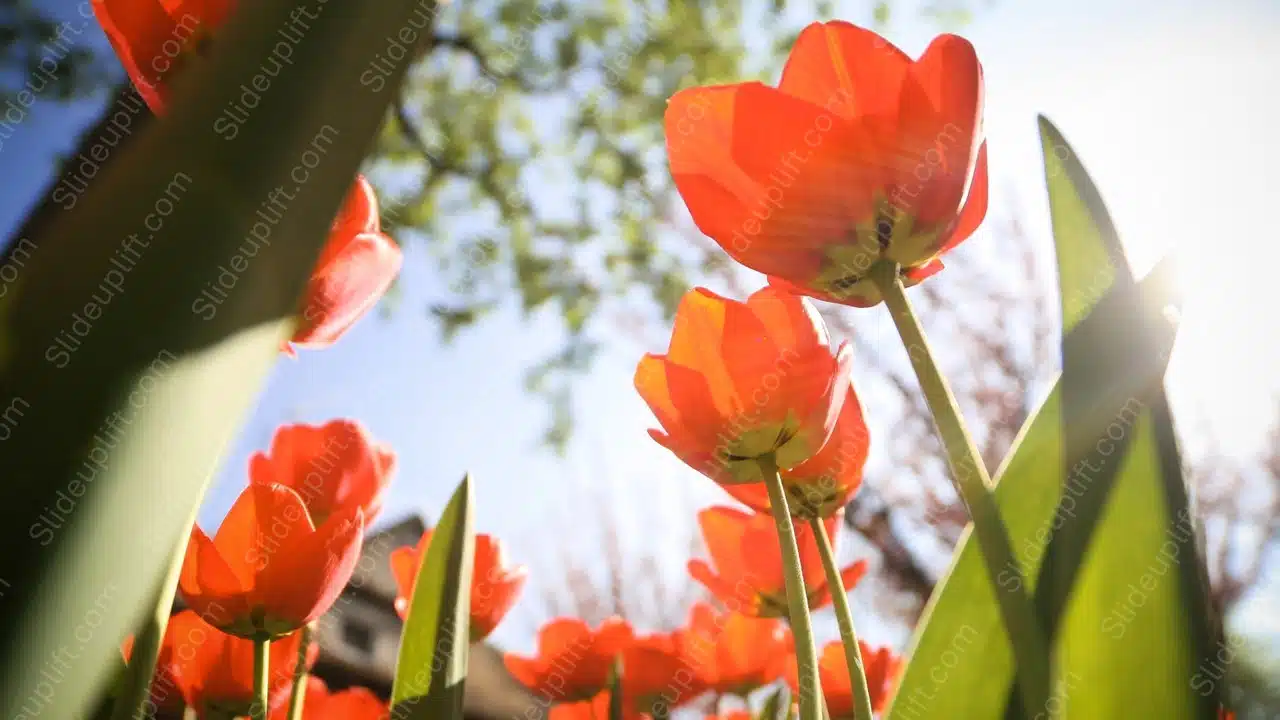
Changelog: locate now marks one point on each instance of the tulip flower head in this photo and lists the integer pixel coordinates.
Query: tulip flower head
(737, 653)
(573, 661)
(268, 571)
(332, 467)
(882, 669)
(658, 676)
(748, 573)
(745, 382)
(495, 581)
(859, 155)
(212, 672)
(822, 485)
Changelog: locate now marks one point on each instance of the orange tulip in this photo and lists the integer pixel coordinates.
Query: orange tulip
(495, 581)
(743, 381)
(859, 154)
(823, 484)
(737, 653)
(573, 661)
(154, 40)
(593, 708)
(268, 571)
(332, 467)
(212, 672)
(732, 715)
(355, 703)
(658, 676)
(748, 575)
(359, 262)
(881, 667)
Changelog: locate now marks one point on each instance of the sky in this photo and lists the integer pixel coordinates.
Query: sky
(1171, 105)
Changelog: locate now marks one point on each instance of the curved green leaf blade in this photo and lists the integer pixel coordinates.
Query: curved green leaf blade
(960, 661)
(431, 671)
(129, 401)
(1124, 560)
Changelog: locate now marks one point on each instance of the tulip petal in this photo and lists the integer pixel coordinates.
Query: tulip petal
(699, 324)
(138, 30)
(974, 210)
(733, 595)
(307, 576)
(791, 321)
(848, 69)
(357, 274)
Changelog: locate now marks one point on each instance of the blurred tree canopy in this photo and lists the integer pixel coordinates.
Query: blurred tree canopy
(41, 57)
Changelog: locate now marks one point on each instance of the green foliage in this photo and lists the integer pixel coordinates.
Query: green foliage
(431, 671)
(43, 58)
(1117, 343)
(1124, 558)
(129, 423)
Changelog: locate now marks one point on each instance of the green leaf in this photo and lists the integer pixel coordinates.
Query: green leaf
(130, 400)
(1123, 559)
(432, 668)
(1118, 346)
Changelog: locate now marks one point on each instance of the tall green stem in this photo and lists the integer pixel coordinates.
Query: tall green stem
(844, 617)
(1030, 651)
(797, 595)
(141, 670)
(261, 678)
(299, 695)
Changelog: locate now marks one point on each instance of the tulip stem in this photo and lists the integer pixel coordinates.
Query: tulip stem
(844, 617)
(261, 675)
(1030, 651)
(299, 695)
(811, 700)
(146, 646)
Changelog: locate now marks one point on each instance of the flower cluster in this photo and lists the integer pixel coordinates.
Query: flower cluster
(861, 164)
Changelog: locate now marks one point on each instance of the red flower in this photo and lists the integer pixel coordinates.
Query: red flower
(332, 467)
(268, 570)
(594, 708)
(315, 694)
(155, 39)
(495, 582)
(359, 262)
(881, 667)
(859, 154)
(354, 703)
(657, 675)
(732, 715)
(748, 575)
(213, 672)
(736, 653)
(573, 661)
(823, 484)
(742, 381)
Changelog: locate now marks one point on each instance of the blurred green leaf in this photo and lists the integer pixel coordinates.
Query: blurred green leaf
(130, 400)
(777, 706)
(960, 664)
(431, 671)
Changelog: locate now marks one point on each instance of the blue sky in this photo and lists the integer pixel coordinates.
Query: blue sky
(1171, 104)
